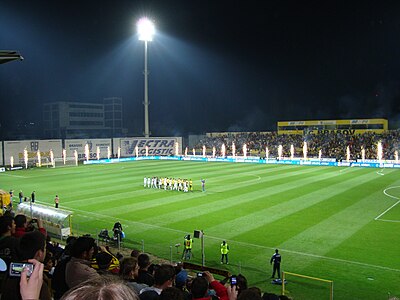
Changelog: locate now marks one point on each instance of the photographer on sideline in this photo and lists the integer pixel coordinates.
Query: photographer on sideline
(118, 232)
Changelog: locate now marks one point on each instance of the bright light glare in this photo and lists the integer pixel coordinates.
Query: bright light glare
(145, 29)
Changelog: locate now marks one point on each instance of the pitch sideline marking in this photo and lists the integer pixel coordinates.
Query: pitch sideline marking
(11, 175)
(86, 214)
(391, 196)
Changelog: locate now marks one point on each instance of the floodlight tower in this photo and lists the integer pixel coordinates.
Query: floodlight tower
(146, 31)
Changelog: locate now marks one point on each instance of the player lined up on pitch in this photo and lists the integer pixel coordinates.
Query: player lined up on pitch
(171, 184)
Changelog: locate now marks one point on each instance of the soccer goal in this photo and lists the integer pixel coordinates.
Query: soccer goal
(44, 163)
(300, 286)
(69, 161)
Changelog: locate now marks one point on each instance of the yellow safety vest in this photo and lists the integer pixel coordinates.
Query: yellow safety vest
(224, 248)
(188, 244)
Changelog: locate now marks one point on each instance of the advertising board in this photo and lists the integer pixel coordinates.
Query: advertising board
(16, 149)
(103, 145)
(163, 146)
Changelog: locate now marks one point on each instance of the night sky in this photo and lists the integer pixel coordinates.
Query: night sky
(214, 65)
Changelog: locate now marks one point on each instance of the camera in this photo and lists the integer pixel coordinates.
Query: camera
(34, 221)
(233, 280)
(17, 268)
(200, 274)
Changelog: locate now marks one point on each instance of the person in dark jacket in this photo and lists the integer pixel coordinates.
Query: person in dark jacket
(276, 259)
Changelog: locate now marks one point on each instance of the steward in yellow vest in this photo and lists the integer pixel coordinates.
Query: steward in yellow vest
(224, 252)
(187, 245)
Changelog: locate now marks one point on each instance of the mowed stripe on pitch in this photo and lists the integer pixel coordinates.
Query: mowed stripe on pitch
(282, 210)
(124, 186)
(335, 229)
(200, 203)
(192, 214)
(140, 199)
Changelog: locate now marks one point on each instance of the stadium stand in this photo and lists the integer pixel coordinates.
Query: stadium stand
(332, 145)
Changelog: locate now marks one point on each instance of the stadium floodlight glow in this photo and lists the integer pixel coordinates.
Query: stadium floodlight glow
(146, 31)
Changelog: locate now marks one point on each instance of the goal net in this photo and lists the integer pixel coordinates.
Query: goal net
(69, 161)
(300, 286)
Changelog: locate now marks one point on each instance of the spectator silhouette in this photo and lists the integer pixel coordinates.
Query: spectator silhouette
(252, 293)
(129, 272)
(58, 281)
(200, 287)
(8, 243)
(144, 274)
(171, 293)
(22, 225)
(32, 246)
(164, 277)
(99, 288)
(78, 269)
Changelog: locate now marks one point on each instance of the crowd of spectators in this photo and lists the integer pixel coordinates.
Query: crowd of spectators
(331, 144)
(84, 270)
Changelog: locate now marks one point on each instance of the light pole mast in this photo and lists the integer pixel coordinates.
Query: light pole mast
(146, 94)
(146, 31)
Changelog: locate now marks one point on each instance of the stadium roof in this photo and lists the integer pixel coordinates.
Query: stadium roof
(9, 55)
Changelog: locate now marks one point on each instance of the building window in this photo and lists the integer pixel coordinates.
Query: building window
(85, 123)
(85, 114)
(91, 106)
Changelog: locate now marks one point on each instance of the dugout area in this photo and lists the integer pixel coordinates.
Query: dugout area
(5, 199)
(56, 221)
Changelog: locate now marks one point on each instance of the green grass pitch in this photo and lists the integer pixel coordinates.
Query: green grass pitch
(328, 222)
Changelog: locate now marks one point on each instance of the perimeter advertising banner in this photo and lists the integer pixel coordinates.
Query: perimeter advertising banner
(16, 150)
(103, 145)
(162, 146)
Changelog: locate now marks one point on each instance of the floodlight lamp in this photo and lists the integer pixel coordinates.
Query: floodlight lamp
(145, 29)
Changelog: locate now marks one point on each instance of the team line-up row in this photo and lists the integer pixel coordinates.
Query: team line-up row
(166, 183)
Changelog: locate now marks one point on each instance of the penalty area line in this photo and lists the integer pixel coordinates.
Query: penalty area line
(391, 221)
(391, 196)
(380, 172)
